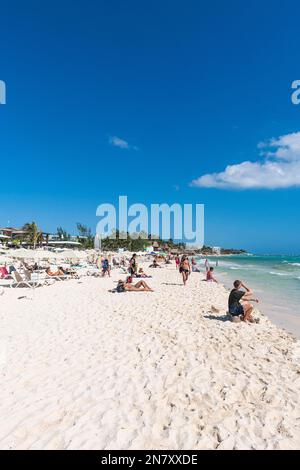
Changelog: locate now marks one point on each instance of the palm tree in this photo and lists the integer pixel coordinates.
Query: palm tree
(33, 234)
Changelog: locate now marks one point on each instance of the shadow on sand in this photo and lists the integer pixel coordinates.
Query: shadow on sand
(218, 317)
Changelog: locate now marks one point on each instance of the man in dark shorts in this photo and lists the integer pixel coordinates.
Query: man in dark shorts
(235, 307)
(185, 269)
(105, 267)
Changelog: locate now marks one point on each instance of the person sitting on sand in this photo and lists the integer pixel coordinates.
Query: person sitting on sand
(58, 273)
(185, 269)
(195, 268)
(154, 264)
(141, 273)
(140, 286)
(210, 275)
(235, 308)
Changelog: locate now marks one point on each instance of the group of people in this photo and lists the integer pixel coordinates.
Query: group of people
(239, 297)
(185, 269)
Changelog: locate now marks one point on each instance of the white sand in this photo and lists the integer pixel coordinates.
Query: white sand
(82, 368)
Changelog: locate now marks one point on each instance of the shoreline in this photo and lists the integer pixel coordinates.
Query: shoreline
(89, 369)
(284, 320)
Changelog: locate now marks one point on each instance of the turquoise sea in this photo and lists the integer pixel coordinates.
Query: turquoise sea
(275, 280)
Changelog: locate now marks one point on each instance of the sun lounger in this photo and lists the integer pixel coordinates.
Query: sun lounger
(38, 278)
(20, 281)
(65, 277)
(4, 274)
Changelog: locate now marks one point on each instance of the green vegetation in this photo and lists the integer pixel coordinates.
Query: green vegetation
(34, 237)
(33, 234)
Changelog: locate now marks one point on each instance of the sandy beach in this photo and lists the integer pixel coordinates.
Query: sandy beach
(83, 368)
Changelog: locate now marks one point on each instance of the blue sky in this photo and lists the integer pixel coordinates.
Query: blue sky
(142, 99)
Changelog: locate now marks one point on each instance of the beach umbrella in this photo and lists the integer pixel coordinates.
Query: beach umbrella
(5, 259)
(45, 255)
(71, 254)
(35, 255)
(22, 254)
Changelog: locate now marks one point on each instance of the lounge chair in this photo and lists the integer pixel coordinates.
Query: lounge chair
(4, 274)
(37, 278)
(19, 281)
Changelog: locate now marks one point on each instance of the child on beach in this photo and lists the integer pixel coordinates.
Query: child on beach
(105, 267)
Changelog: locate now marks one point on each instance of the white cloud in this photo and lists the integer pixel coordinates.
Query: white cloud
(278, 168)
(121, 143)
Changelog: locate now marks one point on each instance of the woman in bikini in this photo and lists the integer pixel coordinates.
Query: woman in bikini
(140, 286)
(185, 269)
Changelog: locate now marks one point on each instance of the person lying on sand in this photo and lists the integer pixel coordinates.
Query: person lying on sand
(57, 273)
(236, 308)
(210, 275)
(140, 286)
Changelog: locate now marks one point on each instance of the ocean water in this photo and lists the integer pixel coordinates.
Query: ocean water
(274, 279)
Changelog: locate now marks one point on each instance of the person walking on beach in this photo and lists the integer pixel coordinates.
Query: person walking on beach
(105, 267)
(133, 265)
(177, 262)
(235, 307)
(185, 269)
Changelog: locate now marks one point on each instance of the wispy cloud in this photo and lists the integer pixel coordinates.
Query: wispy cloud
(121, 143)
(279, 167)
